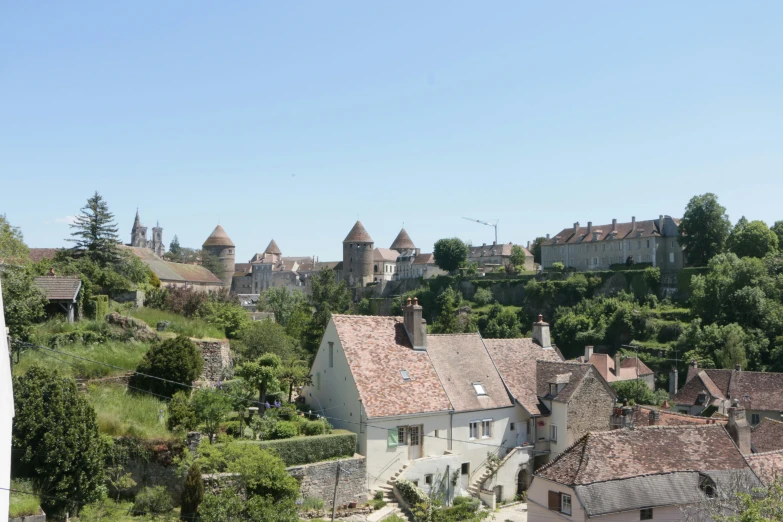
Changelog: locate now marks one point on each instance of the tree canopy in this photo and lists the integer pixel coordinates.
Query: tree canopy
(535, 249)
(95, 232)
(752, 239)
(450, 254)
(12, 247)
(282, 302)
(176, 360)
(24, 302)
(517, 257)
(704, 229)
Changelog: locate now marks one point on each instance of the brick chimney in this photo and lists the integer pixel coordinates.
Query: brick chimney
(588, 353)
(655, 417)
(673, 377)
(576, 227)
(589, 228)
(547, 236)
(633, 224)
(617, 360)
(415, 326)
(738, 427)
(614, 225)
(541, 332)
(51, 272)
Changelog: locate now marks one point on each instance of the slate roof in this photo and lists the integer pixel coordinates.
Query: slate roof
(174, 272)
(764, 390)
(570, 373)
(515, 360)
(377, 348)
(767, 435)
(272, 248)
(768, 466)
(424, 259)
(39, 254)
(385, 254)
(627, 453)
(461, 360)
(644, 229)
(242, 269)
(59, 288)
(402, 242)
(670, 418)
(218, 237)
(358, 234)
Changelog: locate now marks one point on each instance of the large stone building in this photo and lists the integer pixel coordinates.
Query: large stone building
(139, 237)
(220, 245)
(494, 255)
(358, 255)
(655, 242)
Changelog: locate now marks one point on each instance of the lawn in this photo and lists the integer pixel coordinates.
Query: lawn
(23, 504)
(179, 324)
(124, 413)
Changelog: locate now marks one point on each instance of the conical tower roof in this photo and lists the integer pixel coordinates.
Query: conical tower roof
(218, 237)
(358, 235)
(403, 242)
(272, 248)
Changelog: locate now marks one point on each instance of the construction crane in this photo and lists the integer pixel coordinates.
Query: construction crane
(493, 225)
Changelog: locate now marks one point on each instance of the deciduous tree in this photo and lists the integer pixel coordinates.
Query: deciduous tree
(450, 254)
(704, 229)
(12, 247)
(24, 302)
(753, 239)
(261, 374)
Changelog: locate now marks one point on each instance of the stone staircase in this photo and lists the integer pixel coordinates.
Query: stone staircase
(393, 506)
(475, 487)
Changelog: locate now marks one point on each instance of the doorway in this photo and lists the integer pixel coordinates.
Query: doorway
(521, 482)
(414, 442)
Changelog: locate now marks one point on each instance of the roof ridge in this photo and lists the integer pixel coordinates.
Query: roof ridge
(764, 453)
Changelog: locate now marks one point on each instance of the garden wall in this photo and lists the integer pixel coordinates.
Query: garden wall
(318, 480)
(217, 359)
(307, 450)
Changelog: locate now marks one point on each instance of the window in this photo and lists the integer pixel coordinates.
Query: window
(415, 483)
(648, 243)
(603, 247)
(552, 389)
(553, 433)
(565, 504)
(510, 426)
(638, 245)
(755, 418)
(405, 375)
(402, 435)
(437, 434)
(318, 381)
(465, 468)
(428, 479)
(474, 429)
(673, 243)
(486, 428)
(331, 355)
(479, 388)
(645, 514)
(671, 257)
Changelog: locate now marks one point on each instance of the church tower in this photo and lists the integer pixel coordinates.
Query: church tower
(358, 249)
(157, 240)
(138, 233)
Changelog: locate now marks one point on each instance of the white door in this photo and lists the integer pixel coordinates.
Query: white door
(414, 443)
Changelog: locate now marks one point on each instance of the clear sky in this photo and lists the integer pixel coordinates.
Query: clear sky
(290, 120)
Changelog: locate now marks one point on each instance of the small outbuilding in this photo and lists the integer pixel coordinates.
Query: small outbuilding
(62, 291)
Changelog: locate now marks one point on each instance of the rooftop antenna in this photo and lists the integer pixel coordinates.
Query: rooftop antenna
(493, 225)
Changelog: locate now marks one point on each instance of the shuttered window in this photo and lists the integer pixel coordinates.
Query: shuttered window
(554, 501)
(392, 438)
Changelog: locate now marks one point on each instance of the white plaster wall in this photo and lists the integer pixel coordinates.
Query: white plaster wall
(6, 416)
(519, 459)
(559, 417)
(538, 502)
(439, 466)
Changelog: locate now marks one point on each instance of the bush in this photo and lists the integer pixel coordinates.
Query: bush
(306, 450)
(176, 360)
(100, 304)
(155, 500)
(182, 416)
(232, 428)
(378, 495)
(284, 430)
(418, 500)
(192, 493)
(483, 296)
(316, 427)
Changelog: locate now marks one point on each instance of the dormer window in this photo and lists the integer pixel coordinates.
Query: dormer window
(552, 388)
(405, 375)
(702, 398)
(479, 389)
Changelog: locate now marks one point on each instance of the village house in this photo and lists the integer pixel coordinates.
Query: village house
(172, 274)
(619, 368)
(427, 406)
(654, 241)
(498, 255)
(759, 393)
(651, 473)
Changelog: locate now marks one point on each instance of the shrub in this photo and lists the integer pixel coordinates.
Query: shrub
(155, 500)
(192, 493)
(287, 411)
(378, 495)
(483, 296)
(306, 450)
(100, 304)
(377, 504)
(182, 416)
(411, 494)
(176, 360)
(232, 428)
(316, 427)
(312, 504)
(284, 430)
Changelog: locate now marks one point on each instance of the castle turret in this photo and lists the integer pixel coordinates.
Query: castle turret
(220, 245)
(403, 244)
(157, 240)
(138, 233)
(357, 256)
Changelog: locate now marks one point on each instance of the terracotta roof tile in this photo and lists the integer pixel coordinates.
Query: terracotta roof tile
(358, 234)
(670, 418)
(218, 237)
(626, 453)
(648, 228)
(515, 359)
(547, 372)
(424, 259)
(377, 349)
(39, 254)
(461, 360)
(768, 466)
(630, 364)
(689, 394)
(59, 288)
(402, 242)
(385, 254)
(767, 436)
(174, 272)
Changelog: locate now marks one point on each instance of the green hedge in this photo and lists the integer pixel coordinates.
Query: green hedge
(306, 450)
(622, 267)
(101, 305)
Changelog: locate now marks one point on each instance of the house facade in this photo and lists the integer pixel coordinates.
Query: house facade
(654, 241)
(498, 255)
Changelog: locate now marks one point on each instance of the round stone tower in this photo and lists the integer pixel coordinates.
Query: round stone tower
(358, 249)
(220, 245)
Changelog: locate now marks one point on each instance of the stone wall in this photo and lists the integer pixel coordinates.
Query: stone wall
(317, 480)
(590, 408)
(217, 359)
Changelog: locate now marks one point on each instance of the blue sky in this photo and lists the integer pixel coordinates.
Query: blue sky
(290, 120)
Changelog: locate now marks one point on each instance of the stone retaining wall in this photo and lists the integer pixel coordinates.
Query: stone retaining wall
(317, 480)
(217, 359)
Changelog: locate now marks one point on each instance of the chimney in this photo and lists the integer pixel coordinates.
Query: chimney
(633, 224)
(541, 332)
(588, 353)
(737, 367)
(547, 236)
(660, 223)
(673, 382)
(614, 225)
(589, 228)
(51, 272)
(415, 326)
(576, 227)
(617, 359)
(528, 245)
(738, 427)
(694, 364)
(655, 417)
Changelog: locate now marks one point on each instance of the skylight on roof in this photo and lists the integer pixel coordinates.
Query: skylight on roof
(479, 389)
(405, 376)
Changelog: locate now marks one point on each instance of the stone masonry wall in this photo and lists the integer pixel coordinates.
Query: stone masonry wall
(590, 408)
(217, 359)
(317, 480)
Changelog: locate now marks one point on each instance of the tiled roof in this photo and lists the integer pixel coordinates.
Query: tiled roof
(605, 366)
(689, 393)
(174, 272)
(767, 436)
(59, 288)
(461, 360)
(385, 254)
(626, 453)
(358, 234)
(755, 390)
(503, 249)
(272, 248)
(630, 365)
(571, 373)
(424, 259)
(218, 237)
(242, 269)
(768, 466)
(648, 228)
(377, 348)
(38, 254)
(670, 418)
(402, 242)
(515, 359)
